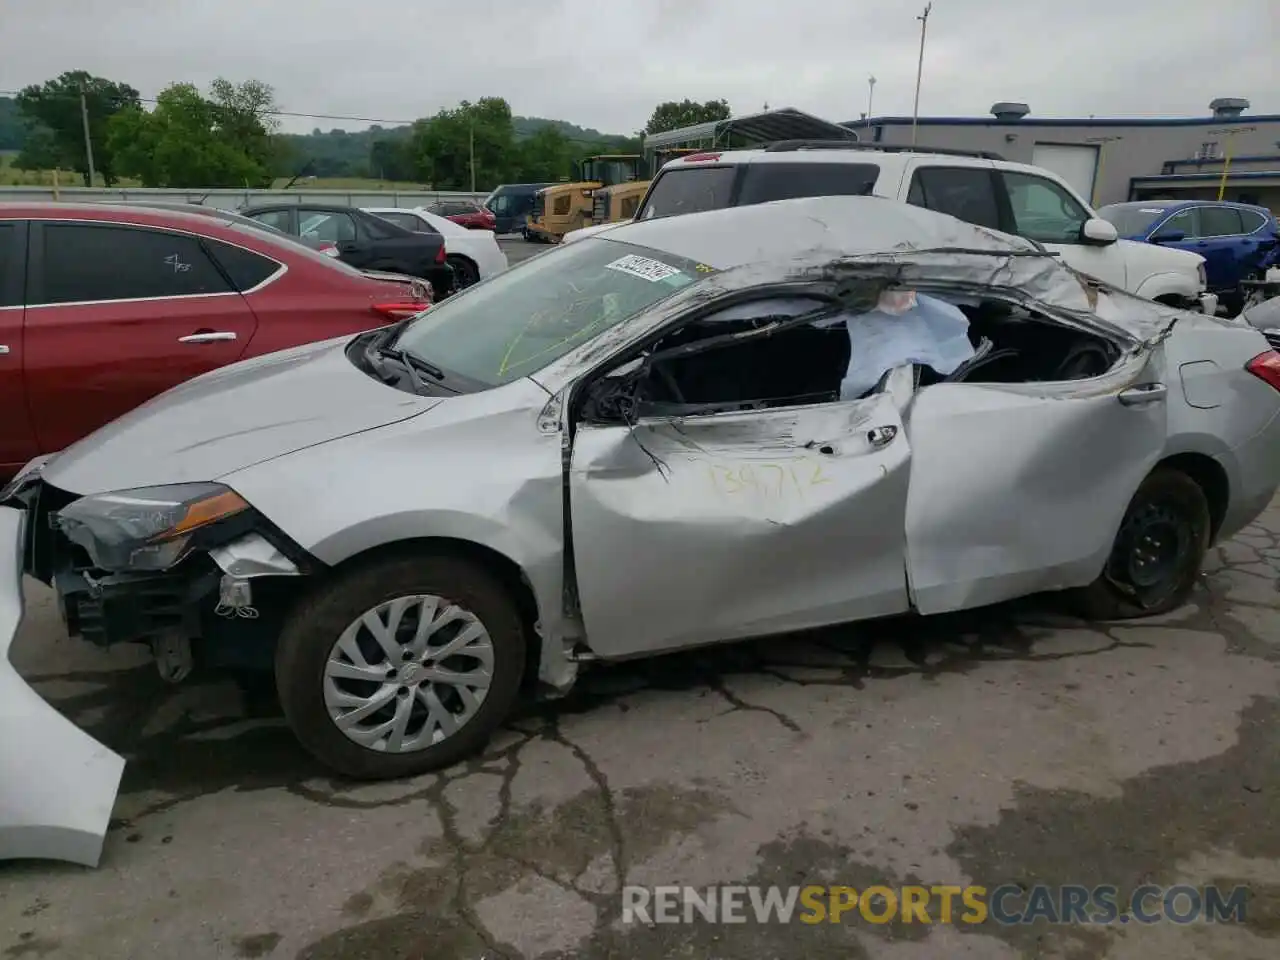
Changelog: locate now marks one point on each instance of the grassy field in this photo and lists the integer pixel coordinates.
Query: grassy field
(11, 176)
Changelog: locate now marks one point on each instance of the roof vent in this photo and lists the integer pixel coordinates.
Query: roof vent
(1228, 108)
(1009, 111)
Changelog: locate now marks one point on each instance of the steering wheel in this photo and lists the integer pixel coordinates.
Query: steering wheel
(1084, 360)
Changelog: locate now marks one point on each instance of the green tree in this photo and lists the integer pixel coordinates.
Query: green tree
(244, 115)
(55, 106)
(672, 115)
(442, 147)
(13, 132)
(39, 150)
(183, 142)
(391, 158)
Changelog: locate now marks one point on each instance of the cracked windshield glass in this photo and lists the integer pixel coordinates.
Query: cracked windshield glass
(524, 319)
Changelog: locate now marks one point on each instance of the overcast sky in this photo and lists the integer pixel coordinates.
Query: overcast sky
(607, 64)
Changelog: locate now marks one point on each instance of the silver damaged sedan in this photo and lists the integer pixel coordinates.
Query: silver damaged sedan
(690, 430)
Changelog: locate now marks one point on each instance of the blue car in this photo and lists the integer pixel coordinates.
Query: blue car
(1238, 241)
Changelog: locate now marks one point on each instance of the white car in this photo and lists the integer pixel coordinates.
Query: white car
(978, 188)
(473, 254)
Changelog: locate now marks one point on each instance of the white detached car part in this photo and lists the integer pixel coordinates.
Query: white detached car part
(474, 254)
(785, 416)
(57, 784)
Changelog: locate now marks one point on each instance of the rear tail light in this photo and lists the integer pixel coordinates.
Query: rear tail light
(440, 254)
(400, 309)
(1266, 367)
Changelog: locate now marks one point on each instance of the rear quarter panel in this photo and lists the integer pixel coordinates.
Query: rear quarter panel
(1218, 408)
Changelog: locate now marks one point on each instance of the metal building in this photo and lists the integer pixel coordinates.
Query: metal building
(785, 123)
(1113, 159)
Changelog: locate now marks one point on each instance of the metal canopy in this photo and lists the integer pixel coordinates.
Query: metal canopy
(786, 123)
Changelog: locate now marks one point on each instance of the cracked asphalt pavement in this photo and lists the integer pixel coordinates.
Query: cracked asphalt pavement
(1010, 745)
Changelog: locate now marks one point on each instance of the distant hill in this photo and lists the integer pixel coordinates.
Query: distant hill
(528, 126)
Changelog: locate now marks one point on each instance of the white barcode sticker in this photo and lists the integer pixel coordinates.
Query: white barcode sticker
(645, 268)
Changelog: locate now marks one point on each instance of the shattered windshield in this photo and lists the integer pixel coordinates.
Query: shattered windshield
(1132, 219)
(525, 318)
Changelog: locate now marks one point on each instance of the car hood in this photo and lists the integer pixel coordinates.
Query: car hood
(234, 417)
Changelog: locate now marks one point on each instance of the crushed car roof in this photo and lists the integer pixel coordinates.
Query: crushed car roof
(830, 238)
(839, 226)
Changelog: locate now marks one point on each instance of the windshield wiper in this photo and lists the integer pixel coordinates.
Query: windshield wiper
(379, 350)
(410, 361)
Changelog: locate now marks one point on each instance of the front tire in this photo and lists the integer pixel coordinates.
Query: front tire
(401, 666)
(1157, 554)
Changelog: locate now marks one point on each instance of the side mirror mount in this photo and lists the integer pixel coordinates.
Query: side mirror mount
(1168, 236)
(1099, 231)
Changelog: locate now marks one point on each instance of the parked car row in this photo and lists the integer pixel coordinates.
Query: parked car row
(362, 240)
(474, 255)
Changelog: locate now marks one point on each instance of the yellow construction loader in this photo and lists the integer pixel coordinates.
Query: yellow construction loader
(567, 206)
(611, 204)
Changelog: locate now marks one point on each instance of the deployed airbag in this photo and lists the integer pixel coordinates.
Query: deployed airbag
(905, 328)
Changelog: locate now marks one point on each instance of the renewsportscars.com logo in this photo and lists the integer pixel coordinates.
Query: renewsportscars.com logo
(942, 904)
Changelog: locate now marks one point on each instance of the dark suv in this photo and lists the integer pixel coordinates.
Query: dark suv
(363, 240)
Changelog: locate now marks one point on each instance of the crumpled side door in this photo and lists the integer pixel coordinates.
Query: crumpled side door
(694, 529)
(1020, 488)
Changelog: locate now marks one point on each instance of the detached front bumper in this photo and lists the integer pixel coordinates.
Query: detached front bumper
(57, 784)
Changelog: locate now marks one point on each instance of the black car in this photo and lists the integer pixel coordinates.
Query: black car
(363, 240)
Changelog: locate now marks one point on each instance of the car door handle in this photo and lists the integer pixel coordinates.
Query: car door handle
(1145, 393)
(4, 349)
(208, 336)
(881, 436)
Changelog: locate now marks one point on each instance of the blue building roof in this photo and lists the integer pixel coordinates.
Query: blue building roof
(1068, 121)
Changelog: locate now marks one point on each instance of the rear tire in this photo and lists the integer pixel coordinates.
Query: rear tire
(330, 665)
(1157, 553)
(465, 273)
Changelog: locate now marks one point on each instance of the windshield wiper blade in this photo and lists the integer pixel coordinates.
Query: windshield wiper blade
(411, 361)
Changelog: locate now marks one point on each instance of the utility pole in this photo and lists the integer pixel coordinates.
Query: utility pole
(871, 92)
(471, 142)
(915, 111)
(88, 140)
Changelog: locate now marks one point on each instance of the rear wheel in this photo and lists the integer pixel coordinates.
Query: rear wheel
(465, 273)
(401, 666)
(1157, 554)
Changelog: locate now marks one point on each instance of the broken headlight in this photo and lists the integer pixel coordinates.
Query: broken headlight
(147, 529)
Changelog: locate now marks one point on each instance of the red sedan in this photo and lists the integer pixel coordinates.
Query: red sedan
(464, 213)
(103, 306)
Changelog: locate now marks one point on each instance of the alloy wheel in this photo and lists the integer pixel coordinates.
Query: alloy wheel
(408, 674)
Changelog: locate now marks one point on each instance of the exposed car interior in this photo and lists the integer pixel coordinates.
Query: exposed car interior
(798, 362)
